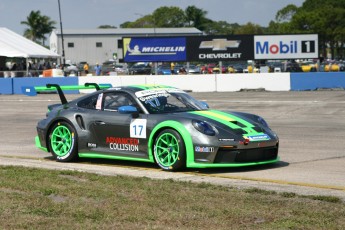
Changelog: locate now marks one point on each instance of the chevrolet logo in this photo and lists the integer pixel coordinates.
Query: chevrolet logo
(219, 44)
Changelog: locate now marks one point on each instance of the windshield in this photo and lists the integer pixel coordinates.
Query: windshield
(168, 101)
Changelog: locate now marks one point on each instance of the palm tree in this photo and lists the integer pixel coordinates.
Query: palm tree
(196, 17)
(39, 25)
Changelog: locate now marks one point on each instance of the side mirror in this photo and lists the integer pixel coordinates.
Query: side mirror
(129, 109)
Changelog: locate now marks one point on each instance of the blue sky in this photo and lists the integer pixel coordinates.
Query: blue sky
(89, 14)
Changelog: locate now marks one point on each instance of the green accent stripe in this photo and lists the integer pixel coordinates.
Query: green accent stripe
(227, 119)
(223, 165)
(38, 144)
(240, 120)
(181, 129)
(98, 155)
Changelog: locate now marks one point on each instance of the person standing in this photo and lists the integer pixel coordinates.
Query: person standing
(86, 68)
(98, 69)
(172, 68)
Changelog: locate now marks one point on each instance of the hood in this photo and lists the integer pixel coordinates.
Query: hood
(239, 125)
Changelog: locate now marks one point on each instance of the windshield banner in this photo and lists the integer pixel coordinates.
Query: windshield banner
(154, 49)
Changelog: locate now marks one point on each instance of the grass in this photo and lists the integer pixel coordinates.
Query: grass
(40, 199)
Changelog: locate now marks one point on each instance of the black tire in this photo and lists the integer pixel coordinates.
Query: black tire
(63, 142)
(170, 151)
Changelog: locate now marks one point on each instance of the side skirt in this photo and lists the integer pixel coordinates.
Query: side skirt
(103, 156)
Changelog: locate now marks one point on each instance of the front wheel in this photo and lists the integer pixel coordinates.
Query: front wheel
(62, 142)
(169, 150)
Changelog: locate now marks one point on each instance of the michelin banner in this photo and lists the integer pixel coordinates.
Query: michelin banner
(154, 49)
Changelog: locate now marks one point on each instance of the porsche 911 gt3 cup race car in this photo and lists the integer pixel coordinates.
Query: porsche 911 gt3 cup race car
(152, 123)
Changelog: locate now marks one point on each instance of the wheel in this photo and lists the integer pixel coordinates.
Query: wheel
(169, 150)
(62, 142)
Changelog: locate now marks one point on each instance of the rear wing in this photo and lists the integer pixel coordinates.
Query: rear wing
(33, 90)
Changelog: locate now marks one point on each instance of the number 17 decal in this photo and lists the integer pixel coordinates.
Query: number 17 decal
(138, 128)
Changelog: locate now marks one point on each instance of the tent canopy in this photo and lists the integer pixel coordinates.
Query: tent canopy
(15, 45)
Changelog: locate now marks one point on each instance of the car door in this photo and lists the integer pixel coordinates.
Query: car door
(116, 133)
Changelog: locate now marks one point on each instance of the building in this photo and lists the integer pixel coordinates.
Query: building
(99, 45)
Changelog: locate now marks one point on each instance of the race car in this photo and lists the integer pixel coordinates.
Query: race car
(152, 123)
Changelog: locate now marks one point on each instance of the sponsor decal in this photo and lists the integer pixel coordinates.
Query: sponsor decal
(138, 128)
(99, 101)
(286, 46)
(204, 149)
(219, 44)
(157, 91)
(218, 48)
(154, 49)
(91, 145)
(221, 56)
(122, 143)
(259, 137)
(226, 139)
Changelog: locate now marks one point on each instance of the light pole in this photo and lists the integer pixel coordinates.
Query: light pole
(63, 48)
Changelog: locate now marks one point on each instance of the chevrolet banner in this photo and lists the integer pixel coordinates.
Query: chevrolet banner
(220, 48)
(154, 49)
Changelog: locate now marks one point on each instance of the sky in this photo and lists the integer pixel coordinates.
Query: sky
(89, 14)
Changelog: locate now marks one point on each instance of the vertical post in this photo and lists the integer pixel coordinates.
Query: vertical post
(63, 48)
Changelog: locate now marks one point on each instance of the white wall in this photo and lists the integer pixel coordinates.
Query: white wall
(202, 82)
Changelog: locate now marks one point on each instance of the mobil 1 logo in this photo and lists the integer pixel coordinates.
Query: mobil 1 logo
(308, 46)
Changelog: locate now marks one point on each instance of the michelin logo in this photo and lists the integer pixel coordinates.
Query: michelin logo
(170, 50)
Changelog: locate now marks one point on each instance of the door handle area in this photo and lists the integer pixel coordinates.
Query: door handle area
(100, 122)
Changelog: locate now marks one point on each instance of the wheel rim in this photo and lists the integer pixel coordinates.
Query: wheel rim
(61, 141)
(167, 149)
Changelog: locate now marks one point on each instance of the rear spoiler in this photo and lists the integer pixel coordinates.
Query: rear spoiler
(33, 90)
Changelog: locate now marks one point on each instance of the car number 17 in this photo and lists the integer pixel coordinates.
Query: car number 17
(138, 128)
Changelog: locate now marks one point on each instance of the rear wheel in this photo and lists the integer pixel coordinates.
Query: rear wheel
(169, 150)
(62, 142)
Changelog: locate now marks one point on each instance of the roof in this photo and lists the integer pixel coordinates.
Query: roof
(131, 31)
(15, 45)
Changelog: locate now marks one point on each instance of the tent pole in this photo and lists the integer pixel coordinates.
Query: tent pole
(27, 67)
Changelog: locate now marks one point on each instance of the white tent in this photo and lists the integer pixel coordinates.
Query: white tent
(15, 45)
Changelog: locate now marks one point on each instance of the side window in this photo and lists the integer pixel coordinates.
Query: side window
(89, 102)
(112, 101)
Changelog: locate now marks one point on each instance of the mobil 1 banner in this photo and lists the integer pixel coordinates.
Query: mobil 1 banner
(154, 49)
(286, 46)
(220, 48)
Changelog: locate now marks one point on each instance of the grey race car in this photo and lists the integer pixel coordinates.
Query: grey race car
(157, 124)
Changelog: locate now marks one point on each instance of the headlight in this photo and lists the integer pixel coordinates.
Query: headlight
(204, 127)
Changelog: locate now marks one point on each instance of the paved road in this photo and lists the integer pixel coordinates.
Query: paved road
(311, 127)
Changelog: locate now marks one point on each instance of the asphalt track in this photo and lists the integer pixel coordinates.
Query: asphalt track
(310, 125)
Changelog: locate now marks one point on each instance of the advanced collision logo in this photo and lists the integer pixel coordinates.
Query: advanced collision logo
(286, 46)
(220, 44)
(123, 144)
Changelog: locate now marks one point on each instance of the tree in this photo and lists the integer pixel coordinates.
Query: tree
(168, 17)
(106, 27)
(196, 17)
(220, 28)
(249, 28)
(286, 14)
(326, 18)
(39, 25)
